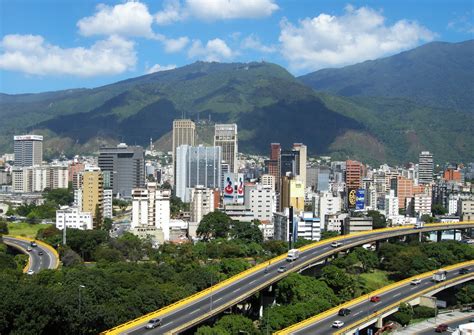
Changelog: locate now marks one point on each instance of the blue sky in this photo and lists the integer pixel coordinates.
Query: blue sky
(51, 45)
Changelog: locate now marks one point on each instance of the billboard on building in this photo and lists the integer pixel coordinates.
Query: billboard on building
(360, 199)
(233, 191)
(351, 198)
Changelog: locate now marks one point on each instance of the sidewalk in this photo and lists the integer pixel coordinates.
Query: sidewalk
(431, 323)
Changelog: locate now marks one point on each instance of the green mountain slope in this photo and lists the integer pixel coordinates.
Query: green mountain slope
(436, 74)
(267, 103)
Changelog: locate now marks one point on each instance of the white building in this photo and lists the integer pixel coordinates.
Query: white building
(225, 136)
(151, 212)
(107, 204)
(308, 227)
(71, 217)
(422, 204)
(453, 205)
(202, 202)
(329, 204)
(39, 177)
(268, 180)
(391, 205)
(261, 200)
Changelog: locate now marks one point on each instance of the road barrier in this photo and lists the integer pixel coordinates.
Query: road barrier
(43, 244)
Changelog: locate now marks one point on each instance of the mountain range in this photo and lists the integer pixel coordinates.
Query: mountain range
(383, 110)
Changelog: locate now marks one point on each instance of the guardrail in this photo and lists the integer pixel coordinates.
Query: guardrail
(188, 300)
(43, 244)
(321, 316)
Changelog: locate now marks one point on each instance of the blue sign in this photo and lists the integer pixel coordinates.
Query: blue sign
(360, 198)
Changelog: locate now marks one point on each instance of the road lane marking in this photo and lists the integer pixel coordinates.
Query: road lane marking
(396, 295)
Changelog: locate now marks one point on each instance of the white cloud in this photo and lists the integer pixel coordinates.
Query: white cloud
(158, 68)
(211, 10)
(32, 55)
(172, 12)
(175, 44)
(215, 50)
(254, 43)
(358, 35)
(127, 19)
(462, 23)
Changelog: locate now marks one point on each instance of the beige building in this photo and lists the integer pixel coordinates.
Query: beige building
(292, 193)
(39, 177)
(183, 133)
(466, 210)
(90, 195)
(225, 136)
(301, 161)
(202, 202)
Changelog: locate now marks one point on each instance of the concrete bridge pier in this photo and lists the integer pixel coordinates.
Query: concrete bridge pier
(379, 323)
(439, 235)
(267, 298)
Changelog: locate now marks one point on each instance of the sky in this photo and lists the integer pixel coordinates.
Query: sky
(48, 45)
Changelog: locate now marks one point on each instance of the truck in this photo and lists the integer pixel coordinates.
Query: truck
(293, 255)
(440, 276)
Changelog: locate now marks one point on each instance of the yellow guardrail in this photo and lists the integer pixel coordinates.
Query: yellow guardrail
(185, 301)
(43, 244)
(27, 266)
(321, 316)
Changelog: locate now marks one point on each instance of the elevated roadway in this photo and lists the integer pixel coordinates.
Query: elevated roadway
(36, 262)
(193, 310)
(364, 312)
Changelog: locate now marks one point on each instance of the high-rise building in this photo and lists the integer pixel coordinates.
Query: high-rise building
(425, 168)
(225, 136)
(90, 195)
(354, 174)
(292, 193)
(272, 166)
(73, 171)
(28, 150)
(301, 161)
(126, 165)
(391, 204)
(197, 166)
(202, 202)
(404, 190)
(261, 200)
(39, 177)
(183, 133)
(268, 180)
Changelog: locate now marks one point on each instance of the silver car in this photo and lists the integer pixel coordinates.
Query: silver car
(153, 323)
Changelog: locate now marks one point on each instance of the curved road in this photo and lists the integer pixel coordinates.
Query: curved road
(366, 308)
(193, 310)
(48, 260)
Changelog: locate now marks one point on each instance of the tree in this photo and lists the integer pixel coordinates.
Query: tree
(379, 220)
(3, 227)
(438, 209)
(236, 324)
(98, 217)
(107, 225)
(465, 295)
(247, 231)
(368, 259)
(215, 224)
(60, 196)
(70, 258)
(329, 234)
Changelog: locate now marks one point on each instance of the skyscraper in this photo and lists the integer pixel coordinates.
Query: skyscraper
(28, 150)
(197, 166)
(126, 165)
(354, 174)
(425, 168)
(89, 197)
(183, 133)
(225, 136)
(301, 161)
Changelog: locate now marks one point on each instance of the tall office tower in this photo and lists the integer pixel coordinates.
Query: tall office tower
(404, 190)
(90, 195)
(425, 168)
(197, 166)
(272, 166)
(28, 150)
(126, 165)
(301, 161)
(183, 133)
(225, 136)
(354, 174)
(288, 162)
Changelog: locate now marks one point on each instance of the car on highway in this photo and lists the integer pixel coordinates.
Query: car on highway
(40, 253)
(375, 298)
(337, 324)
(29, 249)
(463, 271)
(153, 323)
(344, 312)
(441, 328)
(336, 244)
(30, 272)
(415, 281)
(282, 269)
(33, 244)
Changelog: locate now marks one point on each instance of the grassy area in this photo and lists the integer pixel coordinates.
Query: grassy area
(25, 229)
(376, 279)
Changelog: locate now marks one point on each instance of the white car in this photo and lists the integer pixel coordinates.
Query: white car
(30, 272)
(337, 324)
(336, 244)
(415, 281)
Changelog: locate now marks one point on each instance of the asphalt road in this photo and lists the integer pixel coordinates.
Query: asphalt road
(452, 325)
(219, 300)
(37, 262)
(366, 307)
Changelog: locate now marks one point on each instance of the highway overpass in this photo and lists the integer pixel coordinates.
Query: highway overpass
(193, 310)
(365, 313)
(36, 262)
